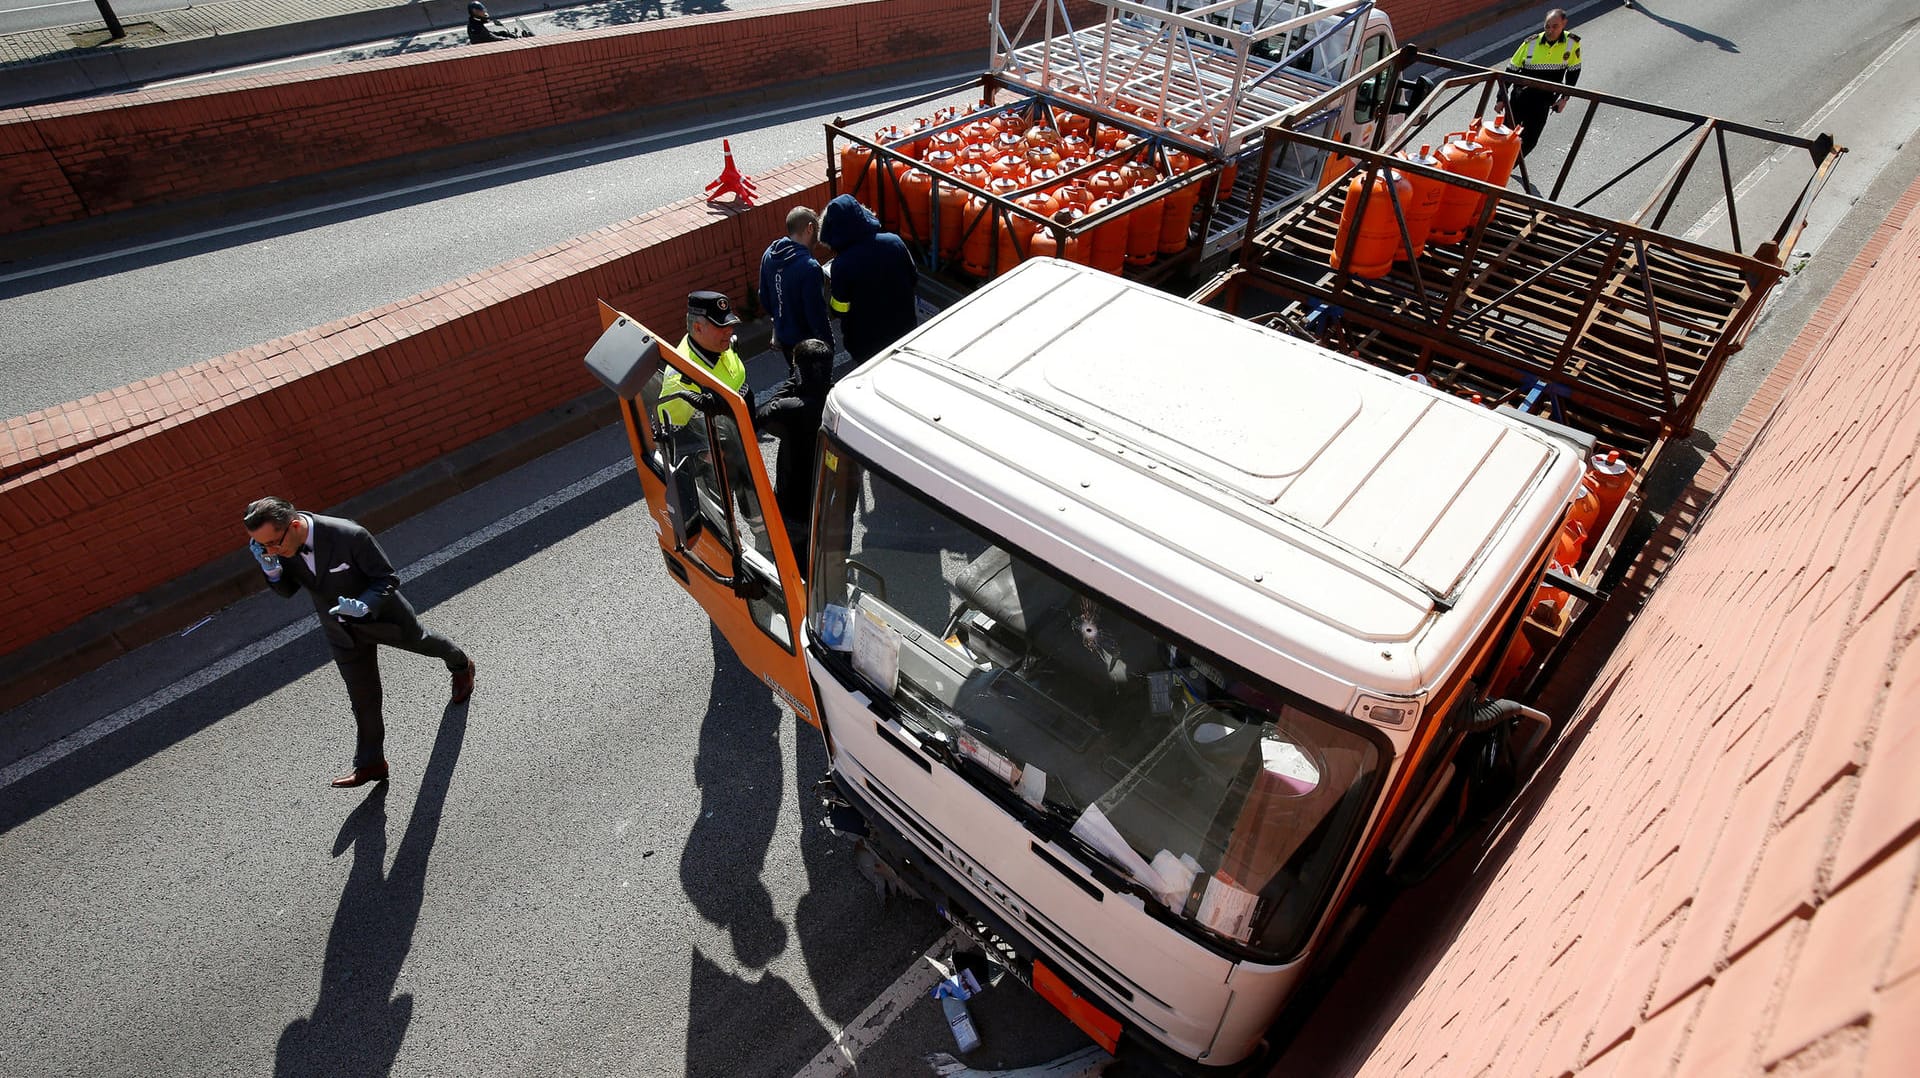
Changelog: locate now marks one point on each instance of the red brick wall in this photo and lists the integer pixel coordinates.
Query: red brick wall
(418, 378)
(83, 158)
(1721, 880)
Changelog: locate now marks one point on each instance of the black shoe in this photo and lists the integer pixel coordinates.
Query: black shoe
(463, 684)
(360, 776)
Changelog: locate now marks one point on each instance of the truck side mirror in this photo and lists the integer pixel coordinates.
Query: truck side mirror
(1412, 94)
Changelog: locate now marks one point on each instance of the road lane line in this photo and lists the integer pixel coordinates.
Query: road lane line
(467, 179)
(1807, 130)
(207, 675)
(866, 1029)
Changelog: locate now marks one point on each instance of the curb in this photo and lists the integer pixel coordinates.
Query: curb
(36, 83)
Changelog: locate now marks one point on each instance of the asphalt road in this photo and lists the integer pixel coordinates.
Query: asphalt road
(608, 861)
(18, 15)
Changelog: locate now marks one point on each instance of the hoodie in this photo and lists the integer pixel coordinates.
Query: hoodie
(792, 289)
(872, 280)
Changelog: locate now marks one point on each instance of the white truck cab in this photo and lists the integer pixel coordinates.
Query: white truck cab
(1128, 624)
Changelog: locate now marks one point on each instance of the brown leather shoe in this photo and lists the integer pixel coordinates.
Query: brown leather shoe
(463, 683)
(360, 776)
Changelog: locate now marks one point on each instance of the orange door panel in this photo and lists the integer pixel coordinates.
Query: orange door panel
(712, 505)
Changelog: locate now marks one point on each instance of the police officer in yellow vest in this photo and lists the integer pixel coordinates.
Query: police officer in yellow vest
(1553, 56)
(709, 342)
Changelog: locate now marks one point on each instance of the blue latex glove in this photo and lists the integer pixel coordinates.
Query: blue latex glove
(349, 608)
(269, 564)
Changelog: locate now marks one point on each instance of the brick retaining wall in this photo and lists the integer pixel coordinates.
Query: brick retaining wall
(421, 378)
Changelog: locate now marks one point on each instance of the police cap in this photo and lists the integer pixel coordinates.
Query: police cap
(714, 307)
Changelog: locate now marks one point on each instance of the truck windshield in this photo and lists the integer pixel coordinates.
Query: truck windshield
(1225, 802)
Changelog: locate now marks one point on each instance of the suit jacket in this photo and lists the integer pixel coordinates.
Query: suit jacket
(348, 563)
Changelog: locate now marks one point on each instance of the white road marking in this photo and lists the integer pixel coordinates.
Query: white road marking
(1807, 130)
(467, 179)
(207, 675)
(841, 1056)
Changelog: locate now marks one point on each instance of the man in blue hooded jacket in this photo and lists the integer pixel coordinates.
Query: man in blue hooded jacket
(791, 287)
(872, 280)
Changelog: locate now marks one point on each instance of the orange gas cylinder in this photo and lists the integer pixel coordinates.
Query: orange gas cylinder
(1043, 178)
(1176, 220)
(1010, 121)
(1549, 601)
(951, 202)
(856, 172)
(1009, 166)
(1610, 478)
(1143, 227)
(1074, 146)
(1141, 173)
(1075, 194)
(1425, 202)
(943, 160)
(1106, 138)
(1337, 165)
(1107, 250)
(980, 153)
(1519, 655)
(976, 237)
(915, 145)
(1107, 183)
(1042, 135)
(1071, 162)
(1010, 142)
(949, 141)
(1229, 173)
(973, 174)
(1504, 141)
(1568, 544)
(979, 131)
(1076, 248)
(1584, 509)
(916, 192)
(1072, 124)
(1016, 239)
(1042, 155)
(1377, 235)
(1459, 206)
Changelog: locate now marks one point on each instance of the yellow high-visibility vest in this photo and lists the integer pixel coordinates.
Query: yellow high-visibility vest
(726, 367)
(1538, 58)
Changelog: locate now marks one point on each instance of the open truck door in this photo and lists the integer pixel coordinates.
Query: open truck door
(711, 501)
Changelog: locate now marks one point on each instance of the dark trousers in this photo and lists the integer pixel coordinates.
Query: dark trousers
(360, 669)
(1530, 109)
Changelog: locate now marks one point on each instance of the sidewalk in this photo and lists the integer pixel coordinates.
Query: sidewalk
(77, 60)
(171, 27)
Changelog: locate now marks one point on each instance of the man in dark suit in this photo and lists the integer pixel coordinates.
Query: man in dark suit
(357, 596)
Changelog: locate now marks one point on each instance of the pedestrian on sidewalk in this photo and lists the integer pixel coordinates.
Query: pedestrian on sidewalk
(478, 32)
(1552, 55)
(792, 287)
(871, 280)
(356, 595)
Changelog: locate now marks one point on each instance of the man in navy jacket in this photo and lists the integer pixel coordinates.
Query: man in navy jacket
(792, 288)
(872, 279)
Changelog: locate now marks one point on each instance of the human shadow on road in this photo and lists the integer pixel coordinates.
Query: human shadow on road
(740, 778)
(357, 1024)
(1692, 32)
